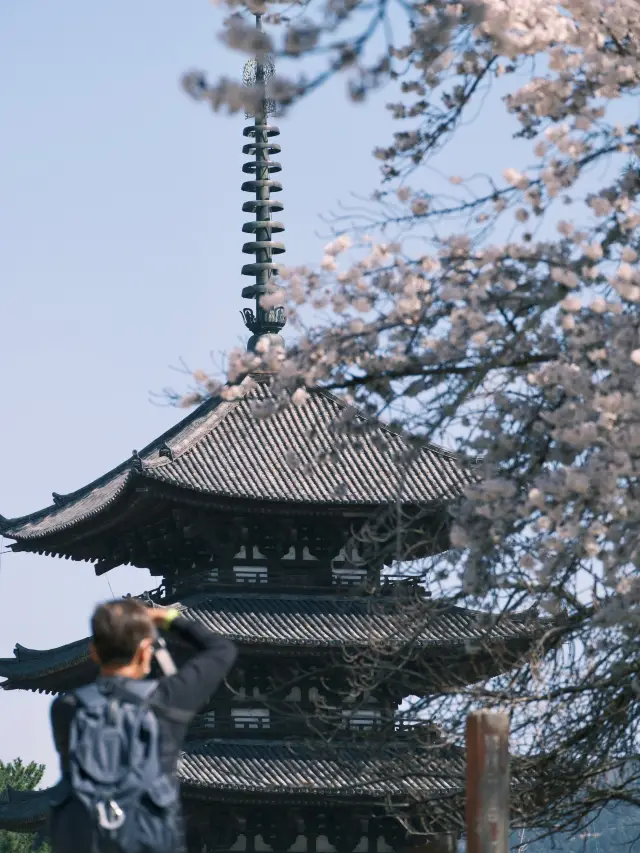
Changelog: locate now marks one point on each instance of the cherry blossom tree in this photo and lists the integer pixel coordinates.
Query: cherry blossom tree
(513, 334)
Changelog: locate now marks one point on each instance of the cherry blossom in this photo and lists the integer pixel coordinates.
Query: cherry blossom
(512, 334)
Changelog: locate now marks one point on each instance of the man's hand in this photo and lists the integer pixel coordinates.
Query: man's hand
(160, 616)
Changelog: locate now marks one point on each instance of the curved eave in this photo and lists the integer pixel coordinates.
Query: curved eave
(305, 772)
(48, 671)
(138, 492)
(445, 811)
(62, 669)
(109, 504)
(25, 811)
(108, 488)
(301, 771)
(294, 459)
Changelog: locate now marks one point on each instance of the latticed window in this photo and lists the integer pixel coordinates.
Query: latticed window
(362, 719)
(205, 568)
(209, 719)
(295, 695)
(251, 718)
(348, 576)
(251, 574)
(348, 569)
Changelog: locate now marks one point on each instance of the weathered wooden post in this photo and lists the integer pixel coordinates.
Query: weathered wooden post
(487, 805)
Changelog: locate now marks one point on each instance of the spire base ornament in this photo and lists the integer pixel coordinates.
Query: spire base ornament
(264, 323)
(267, 321)
(262, 343)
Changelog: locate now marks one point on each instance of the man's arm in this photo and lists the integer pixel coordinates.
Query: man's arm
(195, 682)
(61, 714)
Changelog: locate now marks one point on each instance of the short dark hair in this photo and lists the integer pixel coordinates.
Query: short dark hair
(118, 628)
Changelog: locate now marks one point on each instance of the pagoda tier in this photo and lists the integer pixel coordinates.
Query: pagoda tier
(446, 644)
(272, 524)
(307, 797)
(173, 497)
(276, 559)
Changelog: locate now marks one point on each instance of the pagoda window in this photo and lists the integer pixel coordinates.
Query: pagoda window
(251, 718)
(355, 559)
(204, 565)
(251, 574)
(299, 845)
(348, 576)
(362, 719)
(348, 570)
(209, 719)
(295, 695)
(323, 845)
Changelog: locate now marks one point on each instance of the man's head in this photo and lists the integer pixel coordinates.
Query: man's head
(122, 642)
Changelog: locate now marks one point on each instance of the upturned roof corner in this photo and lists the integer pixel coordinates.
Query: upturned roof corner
(295, 456)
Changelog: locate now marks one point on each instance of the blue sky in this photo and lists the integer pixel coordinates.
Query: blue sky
(120, 239)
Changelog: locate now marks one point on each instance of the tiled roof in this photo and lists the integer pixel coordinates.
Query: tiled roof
(332, 620)
(28, 664)
(311, 621)
(317, 768)
(21, 810)
(292, 456)
(303, 768)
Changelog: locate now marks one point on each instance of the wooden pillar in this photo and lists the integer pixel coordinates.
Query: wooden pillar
(487, 803)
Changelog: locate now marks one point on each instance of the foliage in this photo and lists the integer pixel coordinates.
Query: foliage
(21, 777)
(513, 332)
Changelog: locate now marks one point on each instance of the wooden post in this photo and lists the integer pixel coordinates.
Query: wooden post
(487, 806)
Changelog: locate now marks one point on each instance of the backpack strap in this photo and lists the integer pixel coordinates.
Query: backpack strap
(90, 696)
(142, 693)
(133, 690)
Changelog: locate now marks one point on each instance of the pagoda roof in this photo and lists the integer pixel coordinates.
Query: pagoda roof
(307, 624)
(295, 455)
(300, 770)
(311, 767)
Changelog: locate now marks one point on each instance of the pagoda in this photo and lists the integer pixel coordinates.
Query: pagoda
(263, 552)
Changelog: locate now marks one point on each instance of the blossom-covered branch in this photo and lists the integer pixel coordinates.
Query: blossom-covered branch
(513, 335)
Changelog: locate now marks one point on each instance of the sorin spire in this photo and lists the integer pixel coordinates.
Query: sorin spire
(265, 322)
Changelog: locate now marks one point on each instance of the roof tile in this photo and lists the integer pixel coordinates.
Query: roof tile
(282, 767)
(312, 621)
(225, 449)
(309, 767)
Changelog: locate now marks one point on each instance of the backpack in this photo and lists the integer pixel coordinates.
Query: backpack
(115, 797)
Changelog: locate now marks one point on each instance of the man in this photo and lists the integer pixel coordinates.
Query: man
(123, 646)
